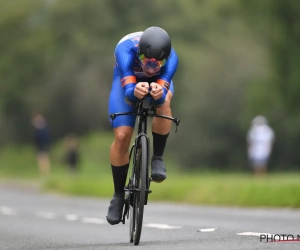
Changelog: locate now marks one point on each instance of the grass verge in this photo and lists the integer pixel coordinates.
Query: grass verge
(275, 190)
(94, 179)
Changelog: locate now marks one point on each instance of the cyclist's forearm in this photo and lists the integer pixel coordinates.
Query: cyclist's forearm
(129, 93)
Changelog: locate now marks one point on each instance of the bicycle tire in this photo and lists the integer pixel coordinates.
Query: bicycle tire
(131, 223)
(131, 207)
(141, 184)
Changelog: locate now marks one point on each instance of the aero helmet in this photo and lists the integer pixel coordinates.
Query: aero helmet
(155, 43)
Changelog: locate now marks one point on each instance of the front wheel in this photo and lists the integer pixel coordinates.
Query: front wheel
(131, 210)
(140, 182)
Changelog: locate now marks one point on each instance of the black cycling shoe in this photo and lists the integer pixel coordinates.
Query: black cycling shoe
(115, 210)
(158, 169)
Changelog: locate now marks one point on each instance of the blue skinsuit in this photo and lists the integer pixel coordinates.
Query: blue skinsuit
(128, 72)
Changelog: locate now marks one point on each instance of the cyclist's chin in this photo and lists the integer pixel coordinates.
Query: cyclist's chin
(148, 74)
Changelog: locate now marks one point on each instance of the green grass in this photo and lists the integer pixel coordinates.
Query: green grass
(276, 190)
(94, 179)
(18, 162)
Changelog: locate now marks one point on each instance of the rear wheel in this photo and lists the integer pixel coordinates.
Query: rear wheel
(140, 184)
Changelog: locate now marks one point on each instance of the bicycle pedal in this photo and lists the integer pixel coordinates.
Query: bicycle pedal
(125, 212)
(127, 197)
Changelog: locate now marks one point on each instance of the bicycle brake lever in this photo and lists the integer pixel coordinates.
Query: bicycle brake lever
(177, 121)
(113, 116)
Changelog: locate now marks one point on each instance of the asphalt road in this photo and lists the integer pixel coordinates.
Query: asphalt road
(32, 220)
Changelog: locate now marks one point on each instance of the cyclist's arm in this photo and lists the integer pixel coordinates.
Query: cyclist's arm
(166, 75)
(124, 55)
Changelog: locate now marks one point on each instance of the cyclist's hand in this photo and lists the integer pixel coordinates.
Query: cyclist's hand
(156, 91)
(141, 89)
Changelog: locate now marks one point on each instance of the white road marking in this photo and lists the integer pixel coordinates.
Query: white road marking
(254, 234)
(204, 230)
(72, 217)
(92, 220)
(8, 211)
(46, 215)
(161, 226)
(259, 234)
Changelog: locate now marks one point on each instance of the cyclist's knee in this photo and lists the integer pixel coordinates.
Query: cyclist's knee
(166, 108)
(123, 137)
(168, 98)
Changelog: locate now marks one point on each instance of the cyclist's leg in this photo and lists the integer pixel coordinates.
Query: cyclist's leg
(119, 158)
(163, 126)
(119, 154)
(160, 132)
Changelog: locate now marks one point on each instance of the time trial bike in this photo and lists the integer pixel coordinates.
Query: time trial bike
(138, 187)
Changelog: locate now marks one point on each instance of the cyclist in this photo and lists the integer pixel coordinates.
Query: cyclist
(145, 62)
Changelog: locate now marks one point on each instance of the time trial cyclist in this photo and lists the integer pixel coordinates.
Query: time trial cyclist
(144, 62)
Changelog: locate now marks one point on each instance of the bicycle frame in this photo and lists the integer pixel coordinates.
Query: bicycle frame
(145, 108)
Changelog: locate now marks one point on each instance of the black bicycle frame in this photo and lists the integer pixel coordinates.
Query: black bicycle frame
(144, 108)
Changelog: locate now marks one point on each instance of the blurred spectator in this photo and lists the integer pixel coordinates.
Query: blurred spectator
(260, 139)
(42, 142)
(72, 153)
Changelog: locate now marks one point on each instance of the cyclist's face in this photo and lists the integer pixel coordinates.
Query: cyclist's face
(149, 72)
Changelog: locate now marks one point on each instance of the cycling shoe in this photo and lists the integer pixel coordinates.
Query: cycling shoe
(158, 169)
(115, 210)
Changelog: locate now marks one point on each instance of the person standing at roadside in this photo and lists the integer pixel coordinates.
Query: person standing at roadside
(260, 140)
(42, 143)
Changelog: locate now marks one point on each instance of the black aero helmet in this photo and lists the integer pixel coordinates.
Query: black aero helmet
(155, 43)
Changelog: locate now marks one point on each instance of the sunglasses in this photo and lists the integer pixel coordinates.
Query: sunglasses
(151, 62)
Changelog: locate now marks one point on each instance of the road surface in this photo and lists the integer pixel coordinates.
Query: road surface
(30, 219)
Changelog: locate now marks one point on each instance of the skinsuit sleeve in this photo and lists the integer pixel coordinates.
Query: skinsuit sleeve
(166, 75)
(125, 59)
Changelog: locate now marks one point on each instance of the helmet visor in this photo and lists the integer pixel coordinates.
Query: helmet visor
(151, 62)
